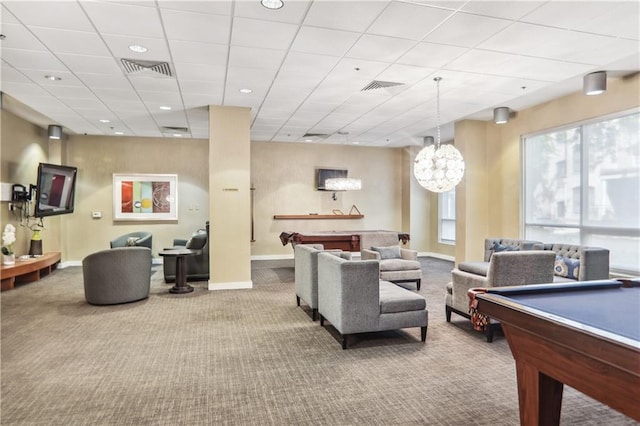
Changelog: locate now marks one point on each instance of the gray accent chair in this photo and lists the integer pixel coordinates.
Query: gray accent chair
(133, 239)
(354, 299)
(510, 244)
(593, 261)
(506, 268)
(119, 275)
(197, 267)
(397, 264)
(306, 273)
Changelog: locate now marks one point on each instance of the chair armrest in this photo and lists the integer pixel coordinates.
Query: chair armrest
(408, 254)
(366, 254)
(594, 264)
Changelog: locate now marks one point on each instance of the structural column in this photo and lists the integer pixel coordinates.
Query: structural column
(229, 198)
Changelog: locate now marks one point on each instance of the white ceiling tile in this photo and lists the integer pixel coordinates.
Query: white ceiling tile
(117, 95)
(344, 15)
(416, 20)
(105, 81)
(253, 57)
(407, 74)
(90, 64)
(192, 26)
(157, 48)
(292, 13)
(307, 64)
(125, 107)
(466, 30)
(149, 84)
(63, 41)
(52, 14)
(502, 9)
(203, 87)
(12, 75)
(193, 52)
(213, 7)
(64, 92)
(158, 99)
(124, 19)
(620, 20)
(265, 34)
(192, 72)
(31, 59)
(431, 55)
(379, 48)
(322, 41)
(198, 99)
(296, 80)
(19, 37)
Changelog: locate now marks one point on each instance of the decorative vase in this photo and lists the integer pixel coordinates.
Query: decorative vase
(35, 249)
(9, 259)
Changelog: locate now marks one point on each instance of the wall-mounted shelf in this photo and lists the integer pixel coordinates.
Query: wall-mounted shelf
(317, 216)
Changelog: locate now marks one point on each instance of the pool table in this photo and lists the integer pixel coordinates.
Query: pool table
(343, 240)
(585, 335)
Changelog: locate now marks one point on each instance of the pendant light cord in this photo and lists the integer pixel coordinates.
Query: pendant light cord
(437, 80)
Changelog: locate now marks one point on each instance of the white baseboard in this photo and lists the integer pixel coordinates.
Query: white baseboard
(240, 285)
(68, 263)
(272, 257)
(436, 255)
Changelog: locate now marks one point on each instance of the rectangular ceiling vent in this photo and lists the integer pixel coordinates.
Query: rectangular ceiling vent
(173, 130)
(377, 84)
(133, 66)
(316, 135)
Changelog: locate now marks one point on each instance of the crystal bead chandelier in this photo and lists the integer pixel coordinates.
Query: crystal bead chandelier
(438, 168)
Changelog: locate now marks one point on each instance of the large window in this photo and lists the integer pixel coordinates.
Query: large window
(582, 186)
(447, 217)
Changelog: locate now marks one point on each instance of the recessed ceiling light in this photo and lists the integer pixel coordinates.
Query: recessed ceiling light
(137, 48)
(177, 135)
(165, 108)
(52, 77)
(246, 91)
(272, 4)
(105, 121)
(308, 140)
(118, 133)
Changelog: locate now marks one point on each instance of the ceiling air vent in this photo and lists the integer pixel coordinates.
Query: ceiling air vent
(316, 135)
(175, 130)
(377, 84)
(132, 66)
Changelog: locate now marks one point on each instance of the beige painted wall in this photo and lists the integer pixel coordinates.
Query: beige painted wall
(23, 147)
(99, 157)
(284, 175)
(488, 200)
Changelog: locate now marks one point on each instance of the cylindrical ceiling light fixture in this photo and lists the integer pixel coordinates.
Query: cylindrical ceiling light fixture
(501, 115)
(55, 131)
(428, 140)
(594, 83)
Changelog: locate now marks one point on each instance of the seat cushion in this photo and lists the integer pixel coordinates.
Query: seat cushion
(397, 299)
(478, 268)
(398, 265)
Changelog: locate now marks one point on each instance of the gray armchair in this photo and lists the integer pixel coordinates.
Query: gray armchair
(354, 299)
(396, 264)
(506, 268)
(306, 274)
(133, 239)
(118, 275)
(197, 267)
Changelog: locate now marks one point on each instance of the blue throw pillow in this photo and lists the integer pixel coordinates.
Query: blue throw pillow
(567, 267)
(497, 247)
(392, 252)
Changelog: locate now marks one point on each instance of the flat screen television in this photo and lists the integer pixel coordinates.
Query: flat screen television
(55, 189)
(324, 174)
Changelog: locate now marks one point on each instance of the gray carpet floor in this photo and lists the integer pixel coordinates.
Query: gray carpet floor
(248, 357)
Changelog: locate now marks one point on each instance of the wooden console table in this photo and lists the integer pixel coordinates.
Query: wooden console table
(29, 270)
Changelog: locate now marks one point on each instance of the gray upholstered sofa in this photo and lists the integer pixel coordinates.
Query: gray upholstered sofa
(306, 273)
(197, 267)
(397, 264)
(354, 299)
(578, 263)
(505, 268)
(118, 275)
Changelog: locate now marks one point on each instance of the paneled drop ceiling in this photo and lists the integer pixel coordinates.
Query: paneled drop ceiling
(305, 64)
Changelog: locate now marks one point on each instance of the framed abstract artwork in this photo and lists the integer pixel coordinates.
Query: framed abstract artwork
(145, 197)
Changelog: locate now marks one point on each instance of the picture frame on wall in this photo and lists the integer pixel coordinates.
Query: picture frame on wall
(148, 197)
